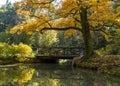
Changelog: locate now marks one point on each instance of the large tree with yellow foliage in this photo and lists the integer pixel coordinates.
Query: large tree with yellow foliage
(71, 15)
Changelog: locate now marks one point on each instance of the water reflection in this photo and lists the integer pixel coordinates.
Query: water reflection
(53, 75)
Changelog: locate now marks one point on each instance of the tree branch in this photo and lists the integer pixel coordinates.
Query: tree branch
(66, 28)
(50, 1)
(102, 28)
(101, 31)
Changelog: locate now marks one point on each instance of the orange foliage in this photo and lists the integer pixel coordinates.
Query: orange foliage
(64, 13)
(70, 32)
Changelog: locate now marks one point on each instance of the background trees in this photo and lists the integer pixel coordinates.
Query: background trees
(47, 39)
(92, 23)
(8, 19)
(71, 15)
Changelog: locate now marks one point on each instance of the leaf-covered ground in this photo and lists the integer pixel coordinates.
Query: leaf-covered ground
(109, 64)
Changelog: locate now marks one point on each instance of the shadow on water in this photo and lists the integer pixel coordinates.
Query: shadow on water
(53, 75)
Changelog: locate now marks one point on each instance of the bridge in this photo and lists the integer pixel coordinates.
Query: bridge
(58, 52)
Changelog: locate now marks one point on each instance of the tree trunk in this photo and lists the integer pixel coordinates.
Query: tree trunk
(88, 44)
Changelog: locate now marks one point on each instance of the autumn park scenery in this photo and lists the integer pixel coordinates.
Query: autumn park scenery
(60, 43)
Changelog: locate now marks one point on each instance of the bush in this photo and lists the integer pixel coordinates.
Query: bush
(23, 52)
(20, 52)
(4, 50)
(105, 51)
(110, 49)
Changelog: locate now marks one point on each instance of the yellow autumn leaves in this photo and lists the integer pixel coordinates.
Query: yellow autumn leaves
(67, 15)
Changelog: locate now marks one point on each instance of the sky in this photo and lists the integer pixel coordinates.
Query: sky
(2, 2)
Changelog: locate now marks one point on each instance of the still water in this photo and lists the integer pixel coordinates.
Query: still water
(53, 75)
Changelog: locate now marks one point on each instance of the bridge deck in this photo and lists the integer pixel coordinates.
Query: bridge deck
(55, 53)
(56, 57)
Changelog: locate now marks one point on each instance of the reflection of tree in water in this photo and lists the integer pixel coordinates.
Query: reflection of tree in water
(53, 75)
(15, 75)
(93, 78)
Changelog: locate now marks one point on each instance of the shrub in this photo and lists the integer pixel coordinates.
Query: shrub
(23, 52)
(105, 51)
(20, 52)
(4, 50)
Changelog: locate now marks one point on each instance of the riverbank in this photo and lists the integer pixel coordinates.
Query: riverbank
(109, 64)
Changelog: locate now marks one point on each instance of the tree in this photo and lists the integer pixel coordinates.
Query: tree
(47, 39)
(8, 19)
(85, 16)
(66, 40)
(113, 44)
(8, 16)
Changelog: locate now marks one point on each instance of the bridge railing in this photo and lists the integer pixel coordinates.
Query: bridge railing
(59, 51)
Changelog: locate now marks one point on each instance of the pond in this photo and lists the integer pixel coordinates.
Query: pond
(53, 75)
